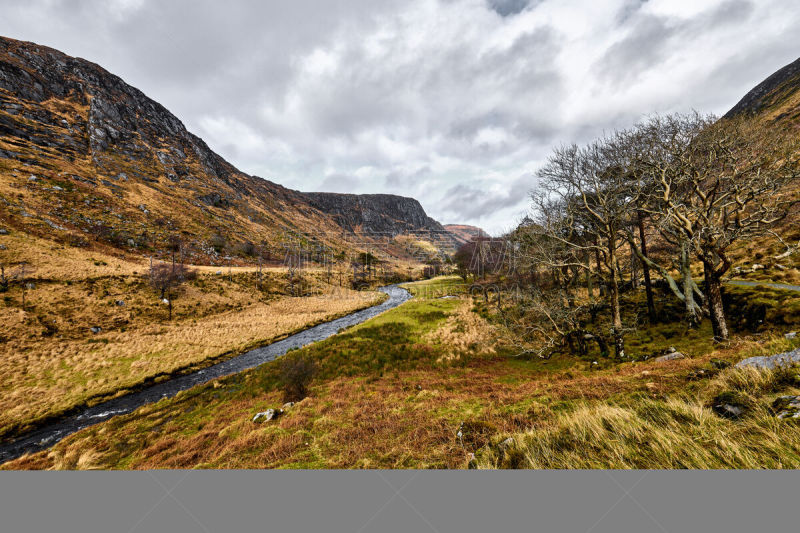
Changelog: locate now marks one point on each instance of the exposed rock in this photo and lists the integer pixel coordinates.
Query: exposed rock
(383, 214)
(266, 416)
(3, 231)
(787, 407)
(30, 286)
(771, 361)
(503, 446)
(791, 335)
(670, 357)
(120, 303)
(96, 329)
(727, 410)
(287, 405)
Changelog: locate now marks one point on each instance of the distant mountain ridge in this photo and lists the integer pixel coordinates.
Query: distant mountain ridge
(463, 232)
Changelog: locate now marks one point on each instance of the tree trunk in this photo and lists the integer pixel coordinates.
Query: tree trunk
(602, 287)
(589, 284)
(714, 296)
(688, 290)
(616, 315)
(648, 285)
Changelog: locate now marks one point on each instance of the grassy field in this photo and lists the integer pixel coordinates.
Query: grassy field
(51, 360)
(396, 391)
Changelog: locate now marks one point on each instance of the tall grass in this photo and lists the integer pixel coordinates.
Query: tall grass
(673, 433)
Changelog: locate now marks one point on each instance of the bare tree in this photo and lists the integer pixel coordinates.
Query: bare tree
(584, 203)
(166, 278)
(714, 184)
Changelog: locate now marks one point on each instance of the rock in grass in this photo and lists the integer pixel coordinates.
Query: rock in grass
(671, 356)
(95, 329)
(3, 231)
(765, 362)
(503, 446)
(266, 416)
(120, 303)
(726, 410)
(787, 407)
(791, 335)
(287, 405)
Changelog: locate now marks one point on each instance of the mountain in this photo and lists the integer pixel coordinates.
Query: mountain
(380, 214)
(86, 158)
(777, 97)
(464, 233)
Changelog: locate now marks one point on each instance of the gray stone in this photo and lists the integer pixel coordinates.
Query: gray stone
(503, 446)
(96, 329)
(787, 407)
(120, 303)
(287, 405)
(3, 231)
(57, 188)
(266, 416)
(670, 357)
(727, 410)
(791, 335)
(30, 285)
(771, 361)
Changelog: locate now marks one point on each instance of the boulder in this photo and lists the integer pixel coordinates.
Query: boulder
(787, 407)
(266, 416)
(670, 356)
(727, 410)
(771, 361)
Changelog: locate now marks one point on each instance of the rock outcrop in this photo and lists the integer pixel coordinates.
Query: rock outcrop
(376, 214)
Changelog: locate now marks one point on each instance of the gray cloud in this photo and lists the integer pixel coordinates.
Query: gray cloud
(454, 102)
(508, 7)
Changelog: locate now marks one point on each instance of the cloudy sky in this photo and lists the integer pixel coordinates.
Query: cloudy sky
(453, 102)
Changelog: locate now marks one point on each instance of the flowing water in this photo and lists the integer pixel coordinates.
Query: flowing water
(53, 432)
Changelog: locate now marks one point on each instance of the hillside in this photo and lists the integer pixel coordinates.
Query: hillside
(464, 233)
(86, 159)
(777, 97)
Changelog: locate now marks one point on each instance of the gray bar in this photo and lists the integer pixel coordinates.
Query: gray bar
(401, 501)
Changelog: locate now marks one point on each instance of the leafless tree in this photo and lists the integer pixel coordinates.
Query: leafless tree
(166, 278)
(714, 184)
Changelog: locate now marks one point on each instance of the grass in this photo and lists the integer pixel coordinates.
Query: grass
(51, 362)
(674, 432)
(395, 391)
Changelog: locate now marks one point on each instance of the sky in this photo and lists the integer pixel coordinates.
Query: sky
(453, 102)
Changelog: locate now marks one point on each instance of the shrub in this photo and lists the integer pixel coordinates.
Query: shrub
(297, 371)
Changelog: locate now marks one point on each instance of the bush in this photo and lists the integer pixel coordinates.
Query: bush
(297, 371)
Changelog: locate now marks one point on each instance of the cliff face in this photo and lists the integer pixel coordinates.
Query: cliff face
(376, 214)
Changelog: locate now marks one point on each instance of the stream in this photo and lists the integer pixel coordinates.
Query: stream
(51, 433)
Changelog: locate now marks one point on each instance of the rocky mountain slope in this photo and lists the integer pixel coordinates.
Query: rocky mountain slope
(463, 232)
(85, 158)
(777, 97)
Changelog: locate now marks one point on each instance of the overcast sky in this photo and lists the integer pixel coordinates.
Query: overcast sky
(453, 102)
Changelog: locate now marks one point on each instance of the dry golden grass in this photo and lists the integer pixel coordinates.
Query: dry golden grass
(48, 371)
(463, 334)
(642, 414)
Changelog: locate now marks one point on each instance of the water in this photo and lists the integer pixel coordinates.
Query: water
(53, 432)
